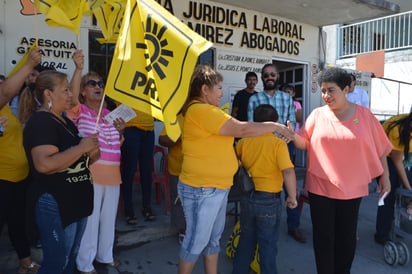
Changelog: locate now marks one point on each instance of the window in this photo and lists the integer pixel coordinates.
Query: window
(100, 55)
(207, 58)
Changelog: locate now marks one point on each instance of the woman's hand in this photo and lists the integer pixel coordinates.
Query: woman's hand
(284, 132)
(291, 202)
(384, 185)
(119, 124)
(78, 59)
(90, 143)
(3, 121)
(34, 57)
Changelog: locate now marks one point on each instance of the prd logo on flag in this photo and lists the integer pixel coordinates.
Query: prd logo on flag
(153, 62)
(153, 57)
(156, 60)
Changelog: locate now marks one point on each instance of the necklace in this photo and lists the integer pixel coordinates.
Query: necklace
(59, 120)
(64, 125)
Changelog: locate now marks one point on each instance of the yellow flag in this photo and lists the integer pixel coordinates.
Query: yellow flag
(23, 60)
(225, 107)
(153, 62)
(63, 13)
(109, 15)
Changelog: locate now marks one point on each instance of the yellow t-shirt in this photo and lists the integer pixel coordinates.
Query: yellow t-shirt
(142, 121)
(209, 159)
(175, 155)
(394, 138)
(265, 157)
(14, 166)
(394, 133)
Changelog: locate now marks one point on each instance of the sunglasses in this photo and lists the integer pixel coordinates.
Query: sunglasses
(266, 75)
(94, 83)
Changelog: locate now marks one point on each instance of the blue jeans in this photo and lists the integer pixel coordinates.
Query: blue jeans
(137, 148)
(60, 245)
(293, 214)
(205, 213)
(259, 224)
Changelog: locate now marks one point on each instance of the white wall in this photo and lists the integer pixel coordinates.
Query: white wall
(233, 30)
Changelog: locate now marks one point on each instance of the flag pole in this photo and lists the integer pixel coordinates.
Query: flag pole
(99, 113)
(78, 40)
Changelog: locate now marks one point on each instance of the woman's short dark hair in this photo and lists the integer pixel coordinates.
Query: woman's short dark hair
(265, 113)
(335, 75)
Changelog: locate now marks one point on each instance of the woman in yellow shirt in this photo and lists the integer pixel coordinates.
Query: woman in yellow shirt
(209, 163)
(14, 167)
(399, 131)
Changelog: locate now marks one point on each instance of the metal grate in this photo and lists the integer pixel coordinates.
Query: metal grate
(386, 33)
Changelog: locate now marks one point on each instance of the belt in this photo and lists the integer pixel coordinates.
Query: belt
(268, 194)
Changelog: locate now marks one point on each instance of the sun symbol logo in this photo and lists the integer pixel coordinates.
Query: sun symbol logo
(154, 35)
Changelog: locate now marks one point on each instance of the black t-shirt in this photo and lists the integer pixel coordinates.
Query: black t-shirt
(241, 100)
(72, 186)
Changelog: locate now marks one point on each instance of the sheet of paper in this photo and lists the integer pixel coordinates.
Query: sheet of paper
(122, 111)
(381, 202)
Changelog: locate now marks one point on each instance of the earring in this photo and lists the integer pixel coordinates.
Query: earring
(49, 104)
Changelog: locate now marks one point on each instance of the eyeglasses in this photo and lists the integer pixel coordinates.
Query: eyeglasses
(266, 75)
(94, 83)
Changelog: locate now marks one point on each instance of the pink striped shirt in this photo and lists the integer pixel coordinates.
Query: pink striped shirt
(107, 168)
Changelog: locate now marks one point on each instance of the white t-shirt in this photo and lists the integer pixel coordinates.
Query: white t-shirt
(359, 96)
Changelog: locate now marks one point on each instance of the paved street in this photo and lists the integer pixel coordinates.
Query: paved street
(152, 247)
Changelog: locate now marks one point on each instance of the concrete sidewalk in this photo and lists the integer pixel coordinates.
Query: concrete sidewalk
(152, 247)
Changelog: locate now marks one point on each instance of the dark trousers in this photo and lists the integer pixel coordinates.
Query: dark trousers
(385, 215)
(138, 147)
(13, 213)
(334, 225)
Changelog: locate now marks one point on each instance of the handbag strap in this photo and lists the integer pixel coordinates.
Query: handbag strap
(239, 161)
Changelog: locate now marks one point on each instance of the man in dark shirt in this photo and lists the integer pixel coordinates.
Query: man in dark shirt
(240, 102)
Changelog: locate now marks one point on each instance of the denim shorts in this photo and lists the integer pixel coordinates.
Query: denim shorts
(205, 214)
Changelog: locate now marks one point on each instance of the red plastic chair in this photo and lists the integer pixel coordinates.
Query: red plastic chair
(161, 176)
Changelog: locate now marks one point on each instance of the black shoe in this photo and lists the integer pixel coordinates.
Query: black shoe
(381, 240)
(297, 235)
(148, 214)
(131, 220)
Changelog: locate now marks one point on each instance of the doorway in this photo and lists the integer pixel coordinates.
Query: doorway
(295, 74)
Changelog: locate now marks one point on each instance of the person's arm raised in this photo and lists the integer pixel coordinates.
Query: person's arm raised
(11, 86)
(78, 59)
